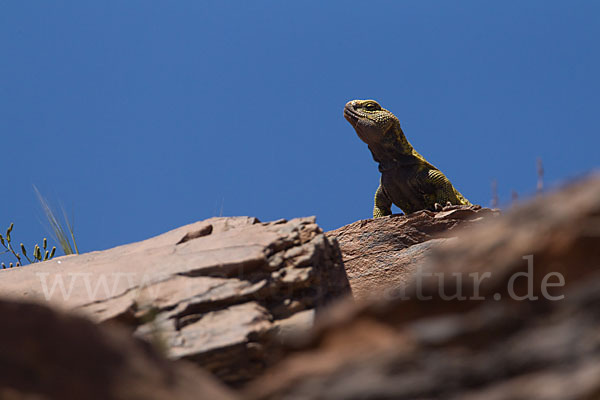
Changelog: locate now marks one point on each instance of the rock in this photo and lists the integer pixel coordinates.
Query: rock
(46, 354)
(385, 252)
(216, 292)
(499, 343)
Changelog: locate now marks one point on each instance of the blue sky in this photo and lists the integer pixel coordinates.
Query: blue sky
(142, 116)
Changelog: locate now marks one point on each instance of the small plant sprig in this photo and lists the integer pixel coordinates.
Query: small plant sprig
(39, 253)
(57, 229)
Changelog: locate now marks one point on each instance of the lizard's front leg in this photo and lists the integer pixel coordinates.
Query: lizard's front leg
(383, 204)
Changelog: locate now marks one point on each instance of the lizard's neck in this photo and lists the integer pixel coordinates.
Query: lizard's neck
(393, 149)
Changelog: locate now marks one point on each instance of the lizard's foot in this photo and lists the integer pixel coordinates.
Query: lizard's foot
(438, 207)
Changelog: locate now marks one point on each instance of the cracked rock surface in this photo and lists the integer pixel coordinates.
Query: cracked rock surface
(508, 336)
(222, 292)
(384, 253)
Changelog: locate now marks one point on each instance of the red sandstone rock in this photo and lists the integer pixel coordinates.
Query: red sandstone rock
(422, 345)
(46, 354)
(385, 253)
(217, 292)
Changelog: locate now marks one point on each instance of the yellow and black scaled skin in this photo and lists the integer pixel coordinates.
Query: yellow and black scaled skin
(407, 179)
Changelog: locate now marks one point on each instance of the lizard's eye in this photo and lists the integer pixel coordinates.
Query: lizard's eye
(372, 107)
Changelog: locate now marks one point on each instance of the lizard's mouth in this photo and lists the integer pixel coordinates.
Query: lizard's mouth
(350, 115)
(353, 117)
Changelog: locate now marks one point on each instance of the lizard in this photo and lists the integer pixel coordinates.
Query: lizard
(408, 180)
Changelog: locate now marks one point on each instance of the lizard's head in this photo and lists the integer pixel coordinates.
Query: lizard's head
(369, 119)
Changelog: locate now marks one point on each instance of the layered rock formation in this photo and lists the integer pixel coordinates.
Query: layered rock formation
(384, 253)
(506, 307)
(509, 310)
(216, 292)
